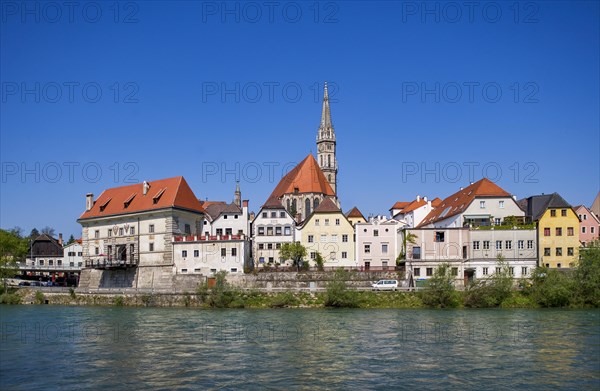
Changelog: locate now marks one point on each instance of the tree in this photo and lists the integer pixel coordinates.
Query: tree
(71, 239)
(492, 291)
(294, 251)
(319, 261)
(439, 290)
(407, 237)
(34, 233)
(587, 275)
(13, 249)
(337, 293)
(48, 231)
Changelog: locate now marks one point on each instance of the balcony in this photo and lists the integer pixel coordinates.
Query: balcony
(107, 263)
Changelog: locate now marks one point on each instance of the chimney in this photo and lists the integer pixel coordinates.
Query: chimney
(146, 187)
(60, 240)
(418, 198)
(425, 199)
(461, 188)
(298, 218)
(245, 203)
(89, 201)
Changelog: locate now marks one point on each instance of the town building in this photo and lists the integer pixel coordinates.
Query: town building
(327, 231)
(557, 226)
(206, 255)
(589, 226)
(355, 216)
(378, 243)
(49, 260)
(272, 226)
(412, 213)
(222, 218)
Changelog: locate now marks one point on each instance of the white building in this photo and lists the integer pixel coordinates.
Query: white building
(207, 255)
(222, 218)
(412, 213)
(272, 227)
(378, 243)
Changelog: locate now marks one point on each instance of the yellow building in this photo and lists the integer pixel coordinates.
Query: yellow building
(557, 229)
(329, 232)
(355, 216)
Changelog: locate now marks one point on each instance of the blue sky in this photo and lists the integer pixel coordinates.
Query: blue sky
(424, 98)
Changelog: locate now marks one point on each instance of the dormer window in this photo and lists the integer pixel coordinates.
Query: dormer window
(103, 206)
(156, 198)
(128, 201)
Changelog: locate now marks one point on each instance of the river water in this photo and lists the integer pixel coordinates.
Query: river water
(53, 347)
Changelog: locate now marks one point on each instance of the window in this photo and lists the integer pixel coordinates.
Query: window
(558, 231)
(592, 229)
(570, 251)
(455, 271)
(233, 270)
(224, 217)
(273, 215)
(484, 271)
(498, 270)
(120, 231)
(337, 221)
(334, 238)
(151, 228)
(278, 231)
(558, 265)
(150, 246)
(184, 253)
(570, 231)
(326, 221)
(559, 251)
(497, 221)
(486, 244)
(416, 252)
(344, 238)
(196, 253)
(261, 246)
(234, 252)
(278, 246)
(313, 255)
(429, 271)
(501, 204)
(529, 244)
(317, 222)
(417, 271)
(287, 231)
(582, 230)
(476, 245)
(344, 255)
(223, 252)
(523, 270)
(546, 231)
(553, 213)
(384, 248)
(498, 244)
(50, 262)
(184, 270)
(282, 215)
(482, 204)
(97, 250)
(585, 217)
(439, 237)
(219, 231)
(271, 259)
(187, 229)
(367, 249)
(132, 230)
(109, 233)
(324, 238)
(375, 232)
(546, 251)
(311, 239)
(80, 254)
(261, 231)
(264, 215)
(521, 244)
(269, 246)
(508, 244)
(71, 264)
(563, 212)
(511, 270)
(41, 262)
(97, 234)
(235, 216)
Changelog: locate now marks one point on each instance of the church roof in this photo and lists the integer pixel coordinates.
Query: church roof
(306, 177)
(163, 193)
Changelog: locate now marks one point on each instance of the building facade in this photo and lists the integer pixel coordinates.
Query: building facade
(589, 226)
(378, 243)
(207, 255)
(272, 226)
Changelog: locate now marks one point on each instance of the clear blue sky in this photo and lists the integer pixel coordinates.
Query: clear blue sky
(147, 90)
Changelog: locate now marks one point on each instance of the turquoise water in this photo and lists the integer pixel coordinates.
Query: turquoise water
(52, 347)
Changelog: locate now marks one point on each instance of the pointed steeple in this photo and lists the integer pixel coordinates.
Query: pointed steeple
(237, 198)
(326, 112)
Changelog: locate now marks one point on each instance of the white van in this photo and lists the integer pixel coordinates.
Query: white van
(383, 285)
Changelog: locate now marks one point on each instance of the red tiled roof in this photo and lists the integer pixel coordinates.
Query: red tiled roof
(307, 177)
(354, 212)
(163, 193)
(399, 205)
(273, 203)
(327, 206)
(460, 201)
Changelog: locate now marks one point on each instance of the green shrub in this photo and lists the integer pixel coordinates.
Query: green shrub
(72, 292)
(39, 297)
(492, 291)
(337, 293)
(10, 298)
(286, 299)
(118, 301)
(439, 290)
(552, 288)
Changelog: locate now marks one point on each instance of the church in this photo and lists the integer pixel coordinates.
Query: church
(312, 181)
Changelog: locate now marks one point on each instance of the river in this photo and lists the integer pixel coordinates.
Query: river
(68, 348)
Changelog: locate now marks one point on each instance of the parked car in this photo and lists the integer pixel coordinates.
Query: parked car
(385, 285)
(24, 283)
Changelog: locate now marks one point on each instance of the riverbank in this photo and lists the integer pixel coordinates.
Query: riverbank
(246, 299)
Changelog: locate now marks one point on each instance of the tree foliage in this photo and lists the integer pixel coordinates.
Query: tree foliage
(71, 239)
(294, 251)
(338, 295)
(407, 237)
(319, 261)
(48, 231)
(491, 291)
(13, 249)
(587, 275)
(439, 290)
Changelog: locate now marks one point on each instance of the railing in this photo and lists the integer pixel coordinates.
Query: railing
(273, 269)
(199, 238)
(110, 263)
(30, 267)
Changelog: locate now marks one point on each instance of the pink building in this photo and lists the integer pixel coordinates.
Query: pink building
(589, 226)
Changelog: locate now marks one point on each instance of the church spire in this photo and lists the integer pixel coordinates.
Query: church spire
(326, 112)
(237, 196)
